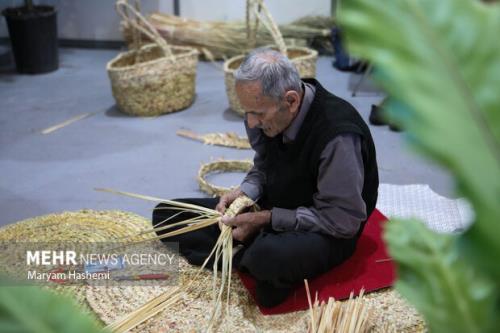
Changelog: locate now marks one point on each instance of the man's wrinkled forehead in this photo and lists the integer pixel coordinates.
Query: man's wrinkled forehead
(253, 88)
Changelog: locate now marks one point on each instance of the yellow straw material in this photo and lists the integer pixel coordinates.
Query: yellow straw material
(223, 249)
(67, 122)
(351, 316)
(229, 139)
(220, 166)
(221, 40)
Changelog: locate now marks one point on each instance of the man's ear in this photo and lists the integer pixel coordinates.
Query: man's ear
(292, 98)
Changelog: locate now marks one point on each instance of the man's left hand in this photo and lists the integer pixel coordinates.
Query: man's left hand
(246, 225)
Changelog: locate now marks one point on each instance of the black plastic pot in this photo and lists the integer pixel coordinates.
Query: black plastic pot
(33, 36)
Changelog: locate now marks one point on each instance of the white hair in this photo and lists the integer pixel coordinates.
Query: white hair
(274, 71)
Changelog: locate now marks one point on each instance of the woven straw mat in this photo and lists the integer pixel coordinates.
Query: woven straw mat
(83, 226)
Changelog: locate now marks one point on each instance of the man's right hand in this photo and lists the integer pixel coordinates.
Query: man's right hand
(227, 199)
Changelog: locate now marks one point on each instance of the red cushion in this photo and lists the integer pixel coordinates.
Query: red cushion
(367, 269)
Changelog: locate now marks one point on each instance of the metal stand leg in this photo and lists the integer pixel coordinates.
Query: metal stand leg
(362, 79)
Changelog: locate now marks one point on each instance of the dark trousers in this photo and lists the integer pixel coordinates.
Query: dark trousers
(283, 259)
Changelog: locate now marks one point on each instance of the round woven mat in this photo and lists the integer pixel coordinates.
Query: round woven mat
(84, 226)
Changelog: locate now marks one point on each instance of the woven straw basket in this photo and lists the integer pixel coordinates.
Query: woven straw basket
(303, 58)
(153, 79)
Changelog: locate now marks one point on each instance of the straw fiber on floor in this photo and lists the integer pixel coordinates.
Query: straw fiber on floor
(194, 309)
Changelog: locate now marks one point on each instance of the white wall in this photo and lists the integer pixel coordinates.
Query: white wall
(93, 19)
(283, 11)
(97, 19)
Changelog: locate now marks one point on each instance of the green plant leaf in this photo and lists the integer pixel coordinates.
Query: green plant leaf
(449, 292)
(31, 309)
(440, 63)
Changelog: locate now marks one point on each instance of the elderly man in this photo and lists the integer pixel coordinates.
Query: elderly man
(314, 176)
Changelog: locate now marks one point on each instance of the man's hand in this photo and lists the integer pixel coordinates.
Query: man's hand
(227, 199)
(246, 225)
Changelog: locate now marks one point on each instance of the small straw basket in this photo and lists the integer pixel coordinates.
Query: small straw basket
(303, 58)
(153, 79)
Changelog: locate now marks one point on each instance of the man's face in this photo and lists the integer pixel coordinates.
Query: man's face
(263, 112)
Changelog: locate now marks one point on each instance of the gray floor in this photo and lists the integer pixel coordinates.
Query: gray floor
(43, 174)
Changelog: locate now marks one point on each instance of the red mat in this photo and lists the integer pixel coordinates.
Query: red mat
(367, 269)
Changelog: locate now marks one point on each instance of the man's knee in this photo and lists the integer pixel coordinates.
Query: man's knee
(290, 256)
(265, 258)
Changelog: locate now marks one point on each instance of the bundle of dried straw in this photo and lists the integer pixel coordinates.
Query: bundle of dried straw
(221, 40)
(351, 316)
(222, 251)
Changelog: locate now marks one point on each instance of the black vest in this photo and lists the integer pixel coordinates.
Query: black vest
(292, 168)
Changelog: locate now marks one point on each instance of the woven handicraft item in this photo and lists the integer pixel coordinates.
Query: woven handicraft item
(220, 166)
(155, 78)
(72, 227)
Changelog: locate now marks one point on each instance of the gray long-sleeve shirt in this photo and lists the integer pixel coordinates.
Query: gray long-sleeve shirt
(338, 207)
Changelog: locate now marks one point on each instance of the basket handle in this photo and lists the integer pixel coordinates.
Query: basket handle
(263, 15)
(251, 33)
(136, 34)
(124, 9)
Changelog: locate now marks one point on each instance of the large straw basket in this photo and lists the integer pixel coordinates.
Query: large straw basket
(303, 58)
(153, 79)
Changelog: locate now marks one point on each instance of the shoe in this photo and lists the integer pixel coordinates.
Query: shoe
(376, 117)
(269, 296)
